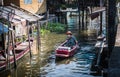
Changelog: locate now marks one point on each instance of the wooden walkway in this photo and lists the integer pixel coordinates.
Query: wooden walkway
(114, 62)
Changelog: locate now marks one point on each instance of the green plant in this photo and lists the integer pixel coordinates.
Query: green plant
(56, 27)
(44, 31)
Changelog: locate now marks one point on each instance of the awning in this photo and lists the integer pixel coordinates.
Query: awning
(12, 17)
(19, 12)
(3, 29)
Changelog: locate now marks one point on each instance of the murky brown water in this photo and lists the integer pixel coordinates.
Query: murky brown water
(44, 63)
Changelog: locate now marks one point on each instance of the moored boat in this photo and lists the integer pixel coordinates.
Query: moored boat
(20, 50)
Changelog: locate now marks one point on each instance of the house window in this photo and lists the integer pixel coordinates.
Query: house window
(40, 1)
(28, 1)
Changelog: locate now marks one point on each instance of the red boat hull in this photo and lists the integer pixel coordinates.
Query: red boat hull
(66, 53)
(18, 56)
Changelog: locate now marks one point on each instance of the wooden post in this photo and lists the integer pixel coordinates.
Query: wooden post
(13, 46)
(91, 9)
(86, 17)
(100, 22)
(111, 14)
(29, 38)
(65, 17)
(82, 18)
(7, 51)
(8, 45)
(79, 14)
(38, 37)
(13, 50)
(3, 38)
(101, 5)
(83, 14)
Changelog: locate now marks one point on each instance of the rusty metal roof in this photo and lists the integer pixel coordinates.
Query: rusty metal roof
(6, 10)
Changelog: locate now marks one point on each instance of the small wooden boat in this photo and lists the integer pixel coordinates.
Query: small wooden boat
(20, 50)
(64, 51)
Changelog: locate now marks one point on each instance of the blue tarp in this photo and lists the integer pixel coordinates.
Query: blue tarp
(3, 29)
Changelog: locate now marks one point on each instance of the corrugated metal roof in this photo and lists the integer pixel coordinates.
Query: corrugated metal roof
(5, 13)
(25, 15)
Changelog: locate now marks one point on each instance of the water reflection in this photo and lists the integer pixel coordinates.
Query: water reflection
(79, 65)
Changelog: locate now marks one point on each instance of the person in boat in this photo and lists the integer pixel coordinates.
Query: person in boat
(71, 40)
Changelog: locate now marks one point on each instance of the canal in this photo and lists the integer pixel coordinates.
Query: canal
(45, 64)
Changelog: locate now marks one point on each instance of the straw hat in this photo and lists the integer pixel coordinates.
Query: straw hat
(69, 32)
